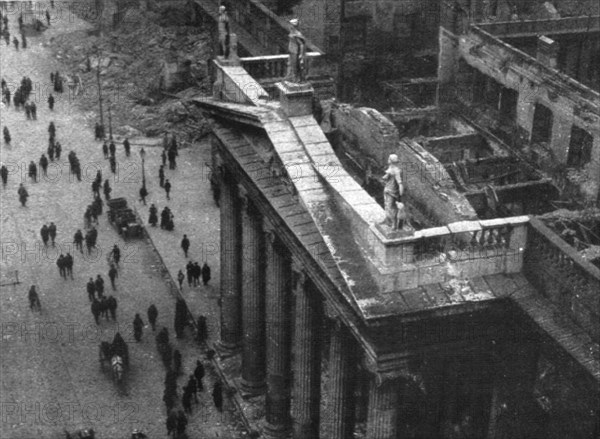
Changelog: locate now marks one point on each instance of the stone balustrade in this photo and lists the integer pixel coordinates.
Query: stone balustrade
(542, 27)
(558, 271)
(464, 248)
(274, 67)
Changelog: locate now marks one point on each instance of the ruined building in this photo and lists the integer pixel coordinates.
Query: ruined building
(477, 319)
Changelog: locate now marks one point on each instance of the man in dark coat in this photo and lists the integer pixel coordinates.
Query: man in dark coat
(153, 217)
(78, 240)
(23, 194)
(189, 269)
(127, 147)
(107, 189)
(51, 102)
(69, 265)
(61, 266)
(52, 232)
(138, 327)
(45, 234)
(161, 175)
(105, 149)
(44, 164)
(116, 254)
(152, 315)
(185, 245)
(113, 274)
(104, 308)
(4, 174)
(168, 188)
(205, 273)
(111, 304)
(217, 395)
(99, 286)
(196, 272)
(91, 289)
(112, 148)
(33, 171)
(113, 164)
(96, 308)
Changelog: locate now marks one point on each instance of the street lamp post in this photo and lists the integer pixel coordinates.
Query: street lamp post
(109, 122)
(143, 156)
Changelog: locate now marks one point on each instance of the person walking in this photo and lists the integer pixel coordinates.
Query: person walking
(185, 245)
(189, 268)
(91, 289)
(180, 279)
(23, 195)
(69, 265)
(44, 164)
(45, 235)
(99, 286)
(4, 174)
(107, 189)
(112, 148)
(115, 253)
(217, 395)
(113, 274)
(52, 232)
(138, 327)
(205, 273)
(152, 316)
(199, 374)
(127, 147)
(105, 149)
(143, 194)
(51, 102)
(78, 240)
(161, 175)
(168, 188)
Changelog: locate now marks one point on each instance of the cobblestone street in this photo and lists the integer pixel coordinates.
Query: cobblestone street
(50, 373)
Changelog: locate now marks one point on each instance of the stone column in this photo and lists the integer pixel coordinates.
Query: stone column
(231, 333)
(253, 299)
(278, 336)
(382, 418)
(341, 380)
(307, 361)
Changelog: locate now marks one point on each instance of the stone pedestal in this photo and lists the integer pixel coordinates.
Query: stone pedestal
(295, 99)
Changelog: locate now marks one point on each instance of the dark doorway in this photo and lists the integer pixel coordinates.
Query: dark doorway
(508, 104)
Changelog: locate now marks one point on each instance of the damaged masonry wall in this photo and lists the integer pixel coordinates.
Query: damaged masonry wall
(367, 135)
(570, 103)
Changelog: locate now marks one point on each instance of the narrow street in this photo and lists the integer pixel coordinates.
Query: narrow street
(50, 374)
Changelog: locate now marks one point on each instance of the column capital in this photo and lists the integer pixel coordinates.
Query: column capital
(332, 314)
(382, 377)
(269, 230)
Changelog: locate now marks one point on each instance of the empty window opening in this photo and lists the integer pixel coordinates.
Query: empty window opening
(508, 103)
(542, 124)
(580, 147)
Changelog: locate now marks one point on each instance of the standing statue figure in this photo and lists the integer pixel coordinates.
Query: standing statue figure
(392, 193)
(297, 49)
(223, 32)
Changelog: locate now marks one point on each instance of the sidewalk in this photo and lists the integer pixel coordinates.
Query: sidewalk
(196, 215)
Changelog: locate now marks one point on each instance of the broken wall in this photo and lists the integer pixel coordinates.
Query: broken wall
(570, 103)
(367, 136)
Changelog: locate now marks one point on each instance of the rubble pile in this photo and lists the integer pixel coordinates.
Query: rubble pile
(131, 60)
